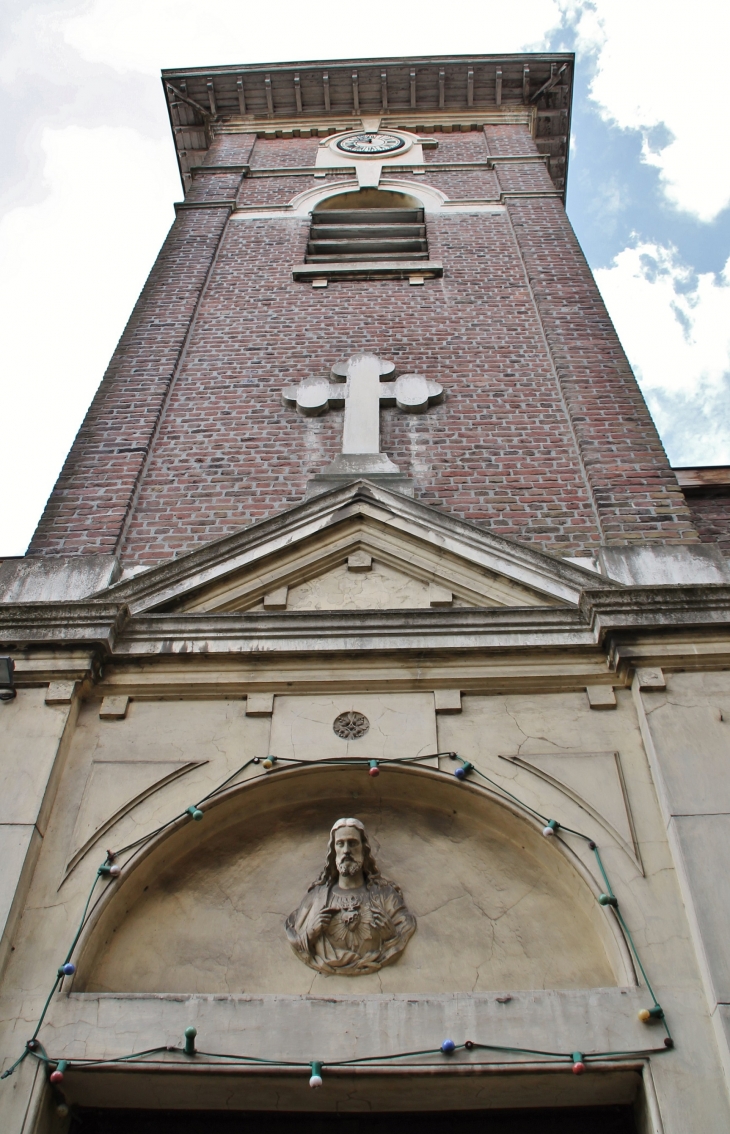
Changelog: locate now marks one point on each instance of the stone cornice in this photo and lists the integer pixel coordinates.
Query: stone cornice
(603, 619)
(677, 607)
(349, 631)
(61, 623)
(682, 622)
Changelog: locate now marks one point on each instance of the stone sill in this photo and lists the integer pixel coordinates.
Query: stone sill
(368, 270)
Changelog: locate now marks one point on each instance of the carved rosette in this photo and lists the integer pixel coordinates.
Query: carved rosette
(350, 726)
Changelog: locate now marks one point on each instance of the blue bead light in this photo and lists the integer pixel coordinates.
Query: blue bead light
(448, 1046)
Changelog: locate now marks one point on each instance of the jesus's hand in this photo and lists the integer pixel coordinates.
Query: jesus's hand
(380, 921)
(320, 923)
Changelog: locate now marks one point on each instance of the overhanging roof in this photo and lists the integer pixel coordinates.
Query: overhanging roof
(423, 92)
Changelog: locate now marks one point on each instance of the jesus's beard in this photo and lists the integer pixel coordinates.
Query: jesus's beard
(348, 867)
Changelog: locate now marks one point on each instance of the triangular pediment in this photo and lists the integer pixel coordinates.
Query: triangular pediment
(360, 547)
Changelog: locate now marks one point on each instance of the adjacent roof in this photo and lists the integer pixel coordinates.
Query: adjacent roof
(704, 477)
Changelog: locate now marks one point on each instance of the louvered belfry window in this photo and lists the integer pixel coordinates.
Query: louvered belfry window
(348, 235)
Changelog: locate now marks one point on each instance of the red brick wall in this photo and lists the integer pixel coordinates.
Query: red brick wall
(278, 153)
(710, 513)
(457, 147)
(544, 436)
(633, 487)
(95, 492)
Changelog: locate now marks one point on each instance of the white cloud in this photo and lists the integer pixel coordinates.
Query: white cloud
(144, 36)
(675, 328)
(663, 66)
(73, 266)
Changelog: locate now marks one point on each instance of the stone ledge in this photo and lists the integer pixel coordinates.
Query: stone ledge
(67, 623)
(368, 270)
(224, 203)
(55, 578)
(325, 482)
(219, 169)
(663, 564)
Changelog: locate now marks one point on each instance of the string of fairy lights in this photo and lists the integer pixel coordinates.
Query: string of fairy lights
(110, 870)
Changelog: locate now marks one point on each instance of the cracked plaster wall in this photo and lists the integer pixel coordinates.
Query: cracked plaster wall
(31, 735)
(688, 727)
(381, 588)
(494, 909)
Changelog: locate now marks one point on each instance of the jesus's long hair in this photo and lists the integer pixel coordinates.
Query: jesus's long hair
(330, 875)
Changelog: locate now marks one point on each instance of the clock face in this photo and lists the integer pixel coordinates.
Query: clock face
(367, 144)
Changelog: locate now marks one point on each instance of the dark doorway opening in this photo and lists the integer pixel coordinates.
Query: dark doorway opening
(558, 1120)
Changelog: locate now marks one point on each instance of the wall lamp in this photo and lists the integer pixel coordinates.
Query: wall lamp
(7, 683)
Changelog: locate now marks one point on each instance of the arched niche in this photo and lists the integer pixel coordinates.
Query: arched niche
(369, 199)
(498, 906)
(330, 196)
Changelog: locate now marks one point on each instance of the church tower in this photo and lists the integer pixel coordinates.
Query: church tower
(365, 685)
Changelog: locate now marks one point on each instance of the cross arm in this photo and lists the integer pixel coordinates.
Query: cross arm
(412, 393)
(314, 396)
(348, 366)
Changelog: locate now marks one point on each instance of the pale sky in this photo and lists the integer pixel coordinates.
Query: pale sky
(89, 178)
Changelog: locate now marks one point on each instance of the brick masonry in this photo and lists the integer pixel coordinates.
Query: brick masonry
(710, 513)
(635, 491)
(544, 435)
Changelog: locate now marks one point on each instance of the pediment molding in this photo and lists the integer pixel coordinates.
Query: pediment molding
(483, 568)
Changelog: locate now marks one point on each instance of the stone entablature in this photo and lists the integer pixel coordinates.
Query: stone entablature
(320, 98)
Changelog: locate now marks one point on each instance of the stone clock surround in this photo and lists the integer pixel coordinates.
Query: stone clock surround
(371, 145)
(369, 167)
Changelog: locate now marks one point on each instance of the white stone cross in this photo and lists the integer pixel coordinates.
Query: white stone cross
(369, 382)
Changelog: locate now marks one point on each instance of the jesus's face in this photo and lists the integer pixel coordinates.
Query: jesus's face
(349, 852)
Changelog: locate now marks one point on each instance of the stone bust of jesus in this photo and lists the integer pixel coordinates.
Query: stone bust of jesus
(352, 920)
